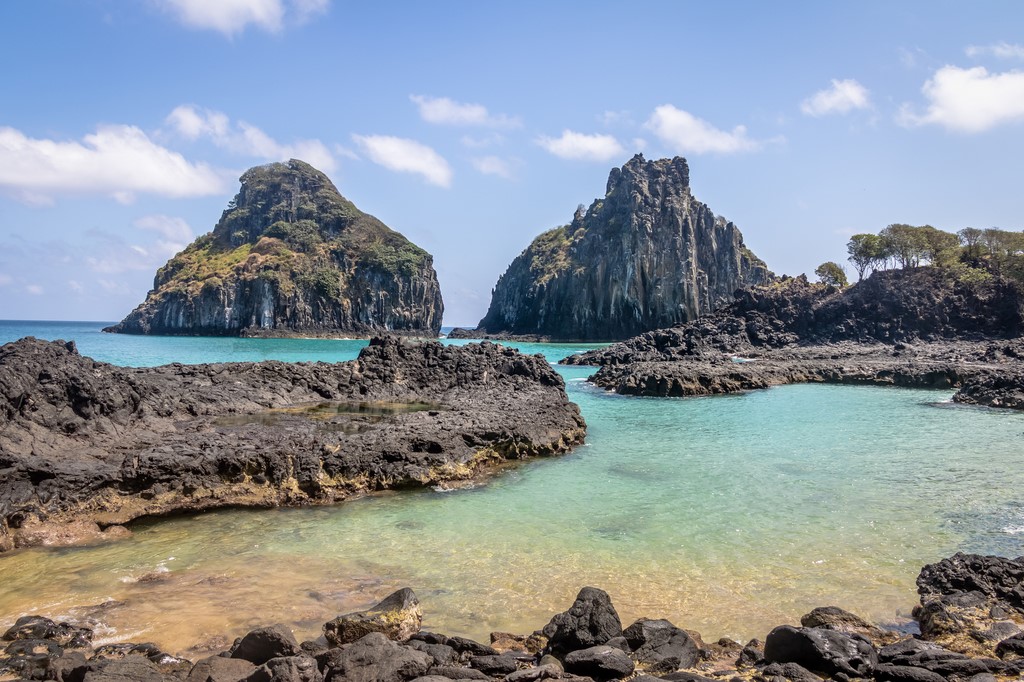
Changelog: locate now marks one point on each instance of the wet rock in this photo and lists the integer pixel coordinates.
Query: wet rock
(601, 662)
(36, 627)
(590, 621)
(398, 616)
(821, 651)
(660, 647)
(495, 666)
(375, 658)
(220, 669)
(840, 620)
(506, 641)
(301, 668)
(262, 644)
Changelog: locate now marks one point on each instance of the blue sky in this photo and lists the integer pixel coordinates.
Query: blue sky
(471, 127)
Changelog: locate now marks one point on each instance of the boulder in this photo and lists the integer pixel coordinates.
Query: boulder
(494, 666)
(398, 617)
(541, 672)
(38, 627)
(127, 669)
(442, 654)
(470, 647)
(375, 658)
(660, 647)
(453, 672)
(262, 644)
(886, 672)
(1011, 647)
(590, 621)
(821, 651)
(600, 662)
(791, 671)
(840, 620)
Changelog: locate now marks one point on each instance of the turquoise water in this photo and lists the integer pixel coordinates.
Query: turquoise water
(728, 515)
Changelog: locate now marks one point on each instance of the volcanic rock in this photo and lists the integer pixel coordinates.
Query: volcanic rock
(590, 621)
(291, 256)
(645, 256)
(398, 616)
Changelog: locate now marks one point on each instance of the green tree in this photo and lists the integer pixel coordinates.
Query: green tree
(831, 273)
(865, 252)
(905, 244)
(938, 247)
(970, 237)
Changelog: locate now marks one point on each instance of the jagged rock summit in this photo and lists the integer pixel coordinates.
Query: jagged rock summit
(292, 256)
(646, 256)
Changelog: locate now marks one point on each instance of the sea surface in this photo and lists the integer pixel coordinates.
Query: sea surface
(727, 515)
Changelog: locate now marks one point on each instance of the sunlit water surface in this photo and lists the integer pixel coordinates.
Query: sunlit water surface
(728, 515)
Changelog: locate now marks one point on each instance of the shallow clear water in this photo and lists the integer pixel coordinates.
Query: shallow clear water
(728, 515)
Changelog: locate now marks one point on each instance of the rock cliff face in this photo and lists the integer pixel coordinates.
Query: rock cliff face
(290, 255)
(646, 256)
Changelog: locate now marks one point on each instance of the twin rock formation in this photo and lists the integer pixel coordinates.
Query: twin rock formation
(290, 255)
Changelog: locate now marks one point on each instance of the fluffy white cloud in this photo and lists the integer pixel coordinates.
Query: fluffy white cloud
(684, 133)
(493, 165)
(844, 96)
(406, 156)
(582, 147)
(233, 16)
(116, 160)
(175, 233)
(449, 112)
(245, 139)
(969, 100)
(1002, 50)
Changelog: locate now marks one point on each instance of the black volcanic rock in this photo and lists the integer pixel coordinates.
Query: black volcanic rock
(290, 255)
(83, 442)
(646, 256)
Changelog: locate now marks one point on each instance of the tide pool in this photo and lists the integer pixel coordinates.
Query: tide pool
(728, 515)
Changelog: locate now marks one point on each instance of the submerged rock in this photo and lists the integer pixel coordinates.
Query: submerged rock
(291, 256)
(645, 256)
(398, 616)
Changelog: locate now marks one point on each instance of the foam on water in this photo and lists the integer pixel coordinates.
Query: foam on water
(728, 515)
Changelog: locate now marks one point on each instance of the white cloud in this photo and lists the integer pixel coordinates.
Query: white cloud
(844, 96)
(116, 160)
(612, 118)
(583, 147)
(483, 141)
(969, 100)
(406, 156)
(684, 133)
(493, 165)
(1001, 50)
(449, 112)
(233, 16)
(76, 286)
(34, 289)
(245, 139)
(5, 279)
(175, 232)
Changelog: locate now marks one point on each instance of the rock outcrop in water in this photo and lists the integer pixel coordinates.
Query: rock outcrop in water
(916, 327)
(85, 445)
(646, 256)
(291, 256)
(970, 619)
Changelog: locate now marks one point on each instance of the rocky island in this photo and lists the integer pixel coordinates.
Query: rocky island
(292, 257)
(646, 256)
(86, 446)
(968, 619)
(920, 327)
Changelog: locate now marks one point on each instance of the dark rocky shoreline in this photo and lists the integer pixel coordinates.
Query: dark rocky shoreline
(914, 328)
(86, 446)
(970, 615)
